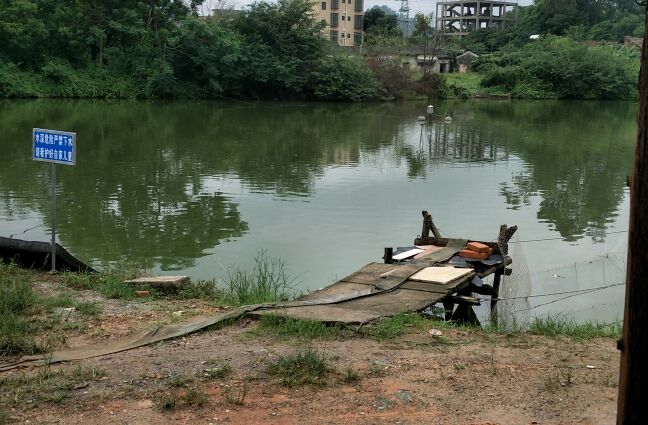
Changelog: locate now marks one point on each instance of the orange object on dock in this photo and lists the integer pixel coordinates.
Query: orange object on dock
(478, 247)
(467, 253)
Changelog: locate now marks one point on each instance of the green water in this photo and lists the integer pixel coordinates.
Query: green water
(196, 187)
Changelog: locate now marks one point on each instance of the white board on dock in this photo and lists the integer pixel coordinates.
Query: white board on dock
(407, 254)
(440, 275)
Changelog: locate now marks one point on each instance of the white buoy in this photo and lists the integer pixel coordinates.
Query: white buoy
(430, 110)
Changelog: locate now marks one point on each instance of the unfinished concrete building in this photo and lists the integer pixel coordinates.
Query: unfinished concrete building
(459, 17)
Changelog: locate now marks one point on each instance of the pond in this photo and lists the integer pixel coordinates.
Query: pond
(199, 187)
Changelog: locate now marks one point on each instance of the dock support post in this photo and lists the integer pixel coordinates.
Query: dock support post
(496, 288)
(389, 252)
(428, 225)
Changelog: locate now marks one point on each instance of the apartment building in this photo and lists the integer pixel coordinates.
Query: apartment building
(343, 20)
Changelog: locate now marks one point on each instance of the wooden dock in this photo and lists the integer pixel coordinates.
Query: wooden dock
(386, 289)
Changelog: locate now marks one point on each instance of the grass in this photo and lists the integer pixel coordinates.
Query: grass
(468, 81)
(109, 282)
(218, 370)
(169, 402)
(398, 324)
(46, 385)
(236, 395)
(17, 298)
(16, 336)
(89, 308)
(284, 326)
(64, 300)
(19, 308)
(469, 84)
(180, 381)
(560, 325)
(267, 281)
(560, 378)
(195, 397)
(200, 289)
(350, 376)
(191, 396)
(303, 367)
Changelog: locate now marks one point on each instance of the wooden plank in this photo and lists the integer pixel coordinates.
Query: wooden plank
(434, 287)
(371, 274)
(440, 275)
(335, 289)
(398, 301)
(323, 313)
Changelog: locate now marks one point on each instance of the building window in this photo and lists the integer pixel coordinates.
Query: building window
(334, 19)
(357, 38)
(323, 5)
(334, 4)
(334, 36)
(358, 22)
(349, 18)
(358, 5)
(349, 35)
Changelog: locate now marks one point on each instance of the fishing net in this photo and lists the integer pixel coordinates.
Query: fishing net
(512, 311)
(590, 289)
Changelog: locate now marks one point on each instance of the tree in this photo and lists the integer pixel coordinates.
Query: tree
(556, 16)
(21, 31)
(377, 21)
(422, 25)
(282, 44)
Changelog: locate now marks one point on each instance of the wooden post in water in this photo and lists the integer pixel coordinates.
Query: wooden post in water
(388, 256)
(633, 376)
(428, 225)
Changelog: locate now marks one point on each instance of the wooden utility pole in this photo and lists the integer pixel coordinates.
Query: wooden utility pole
(633, 377)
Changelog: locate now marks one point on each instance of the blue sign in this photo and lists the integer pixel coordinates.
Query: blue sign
(54, 146)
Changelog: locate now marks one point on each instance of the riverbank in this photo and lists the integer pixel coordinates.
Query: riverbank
(277, 371)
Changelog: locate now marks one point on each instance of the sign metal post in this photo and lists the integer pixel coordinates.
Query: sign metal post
(56, 147)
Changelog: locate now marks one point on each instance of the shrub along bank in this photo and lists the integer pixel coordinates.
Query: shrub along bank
(162, 49)
(561, 68)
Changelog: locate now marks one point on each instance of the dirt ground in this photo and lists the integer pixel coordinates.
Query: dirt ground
(462, 377)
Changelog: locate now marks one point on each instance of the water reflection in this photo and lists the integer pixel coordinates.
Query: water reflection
(578, 156)
(161, 182)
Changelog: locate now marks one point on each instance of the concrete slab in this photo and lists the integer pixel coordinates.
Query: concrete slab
(163, 283)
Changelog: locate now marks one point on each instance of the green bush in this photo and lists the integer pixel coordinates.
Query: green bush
(558, 67)
(342, 76)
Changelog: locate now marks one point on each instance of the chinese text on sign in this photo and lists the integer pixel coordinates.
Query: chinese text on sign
(54, 146)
